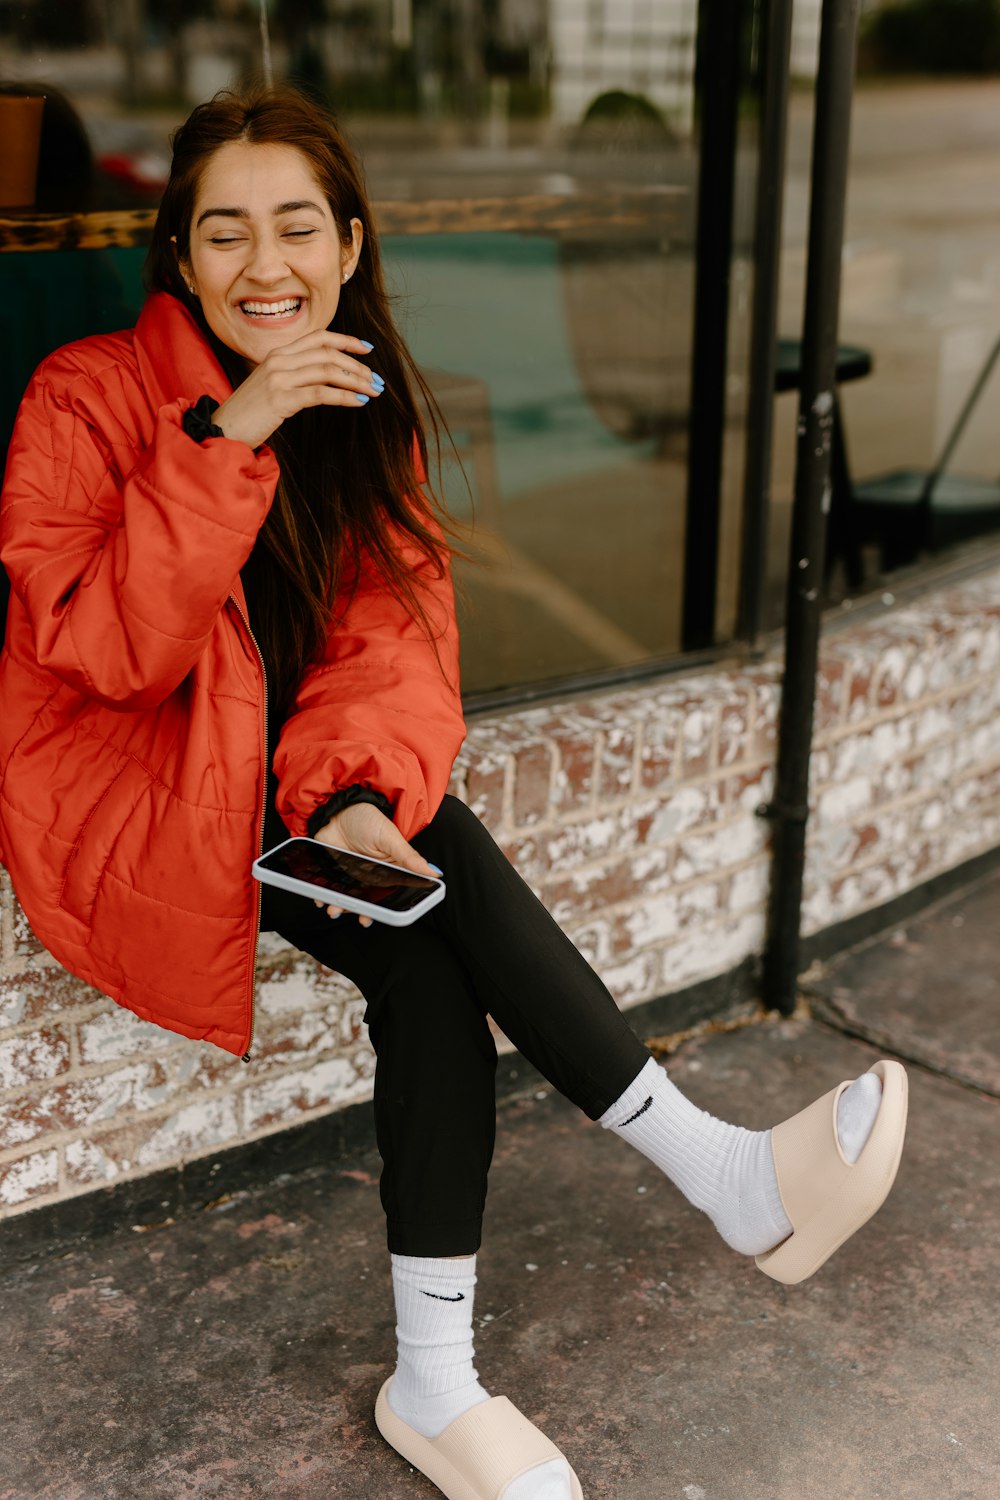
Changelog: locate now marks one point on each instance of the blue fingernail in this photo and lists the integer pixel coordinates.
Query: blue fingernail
(435, 868)
(376, 380)
(366, 344)
(362, 399)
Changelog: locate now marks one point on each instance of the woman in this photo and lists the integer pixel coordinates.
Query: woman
(233, 621)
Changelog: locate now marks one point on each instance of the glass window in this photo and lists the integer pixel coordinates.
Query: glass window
(534, 164)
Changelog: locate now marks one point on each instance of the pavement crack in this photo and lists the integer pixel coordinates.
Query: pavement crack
(751, 1014)
(826, 1013)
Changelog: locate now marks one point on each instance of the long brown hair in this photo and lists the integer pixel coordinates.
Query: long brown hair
(348, 489)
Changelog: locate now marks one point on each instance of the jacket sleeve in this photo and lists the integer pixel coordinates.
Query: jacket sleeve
(382, 708)
(123, 579)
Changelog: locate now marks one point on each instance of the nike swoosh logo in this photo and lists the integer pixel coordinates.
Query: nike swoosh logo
(648, 1105)
(439, 1298)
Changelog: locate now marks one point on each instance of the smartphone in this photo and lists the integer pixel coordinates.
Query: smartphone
(369, 887)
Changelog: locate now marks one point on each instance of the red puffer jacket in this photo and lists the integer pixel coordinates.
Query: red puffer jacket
(132, 734)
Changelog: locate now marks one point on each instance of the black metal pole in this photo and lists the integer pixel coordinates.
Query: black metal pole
(720, 46)
(789, 810)
(774, 89)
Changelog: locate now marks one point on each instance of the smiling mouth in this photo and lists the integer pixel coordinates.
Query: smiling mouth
(271, 312)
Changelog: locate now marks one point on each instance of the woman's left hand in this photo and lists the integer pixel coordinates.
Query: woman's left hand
(364, 830)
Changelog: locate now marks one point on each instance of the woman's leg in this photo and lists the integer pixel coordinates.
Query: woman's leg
(557, 1012)
(435, 1125)
(435, 1066)
(528, 975)
(554, 1008)
(501, 952)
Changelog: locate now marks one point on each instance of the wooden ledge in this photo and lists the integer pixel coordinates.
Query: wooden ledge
(654, 210)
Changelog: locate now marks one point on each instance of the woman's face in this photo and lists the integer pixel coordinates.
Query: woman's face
(265, 260)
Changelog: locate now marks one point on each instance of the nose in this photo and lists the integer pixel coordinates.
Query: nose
(267, 263)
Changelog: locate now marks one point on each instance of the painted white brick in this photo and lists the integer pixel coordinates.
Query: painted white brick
(839, 803)
(16, 1131)
(888, 741)
(88, 1163)
(651, 869)
(688, 807)
(592, 939)
(632, 981)
(977, 747)
(712, 949)
(893, 665)
(751, 796)
(595, 837)
(827, 851)
(23, 1179)
(989, 650)
(131, 1089)
(26, 1059)
(192, 1131)
(330, 1083)
(117, 1033)
(931, 817)
(933, 724)
(487, 766)
(293, 992)
(698, 726)
(13, 1005)
(701, 900)
(749, 886)
(653, 922)
(720, 849)
(915, 681)
(301, 987)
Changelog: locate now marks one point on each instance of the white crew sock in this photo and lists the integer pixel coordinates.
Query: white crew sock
(856, 1111)
(723, 1169)
(435, 1379)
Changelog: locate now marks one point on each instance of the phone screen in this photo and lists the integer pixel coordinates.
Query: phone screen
(346, 874)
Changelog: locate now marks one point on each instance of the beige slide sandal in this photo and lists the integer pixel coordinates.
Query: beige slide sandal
(479, 1454)
(826, 1197)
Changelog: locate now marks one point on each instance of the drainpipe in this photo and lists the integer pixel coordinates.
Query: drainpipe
(789, 809)
(773, 94)
(718, 72)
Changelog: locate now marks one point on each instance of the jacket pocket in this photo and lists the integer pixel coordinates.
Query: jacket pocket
(93, 849)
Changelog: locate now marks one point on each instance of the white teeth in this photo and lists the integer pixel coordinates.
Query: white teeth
(272, 309)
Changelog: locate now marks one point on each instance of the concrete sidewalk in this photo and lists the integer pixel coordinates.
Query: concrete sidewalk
(237, 1353)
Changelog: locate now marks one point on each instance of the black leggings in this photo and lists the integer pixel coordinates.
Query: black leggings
(489, 948)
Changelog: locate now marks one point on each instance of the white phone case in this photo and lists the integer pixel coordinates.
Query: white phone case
(349, 903)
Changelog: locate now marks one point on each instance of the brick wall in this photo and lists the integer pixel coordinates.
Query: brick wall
(632, 812)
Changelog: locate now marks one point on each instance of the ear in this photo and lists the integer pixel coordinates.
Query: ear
(185, 269)
(349, 258)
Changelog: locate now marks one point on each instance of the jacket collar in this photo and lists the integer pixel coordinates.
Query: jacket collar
(173, 354)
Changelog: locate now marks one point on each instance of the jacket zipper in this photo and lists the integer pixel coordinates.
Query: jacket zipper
(260, 837)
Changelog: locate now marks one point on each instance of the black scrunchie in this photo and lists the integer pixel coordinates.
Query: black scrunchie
(346, 797)
(197, 420)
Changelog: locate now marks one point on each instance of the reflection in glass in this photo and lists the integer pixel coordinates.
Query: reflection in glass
(544, 268)
(920, 294)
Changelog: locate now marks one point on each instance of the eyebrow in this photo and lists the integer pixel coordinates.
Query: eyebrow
(241, 213)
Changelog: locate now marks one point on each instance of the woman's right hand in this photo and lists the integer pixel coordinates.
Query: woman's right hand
(362, 829)
(318, 369)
